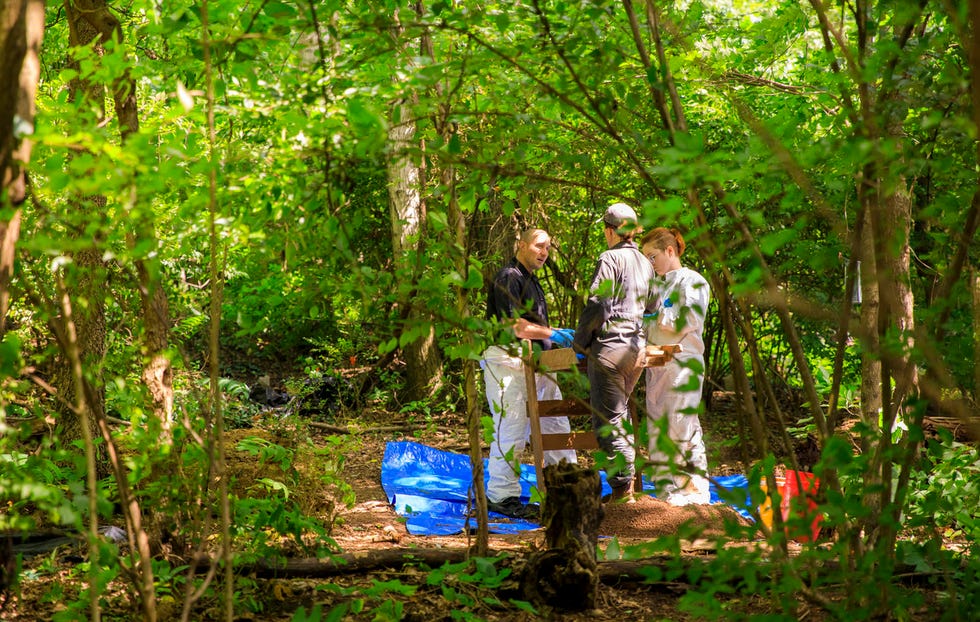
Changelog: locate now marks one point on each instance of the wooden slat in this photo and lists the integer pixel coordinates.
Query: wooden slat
(659, 355)
(532, 413)
(571, 440)
(562, 408)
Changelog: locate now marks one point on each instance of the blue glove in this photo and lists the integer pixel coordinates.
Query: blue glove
(562, 337)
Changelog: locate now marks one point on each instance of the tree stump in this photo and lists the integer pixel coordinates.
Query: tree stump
(564, 576)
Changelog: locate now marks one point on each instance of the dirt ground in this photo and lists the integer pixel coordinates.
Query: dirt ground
(370, 526)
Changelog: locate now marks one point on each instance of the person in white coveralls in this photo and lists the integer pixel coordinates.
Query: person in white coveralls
(673, 391)
(516, 300)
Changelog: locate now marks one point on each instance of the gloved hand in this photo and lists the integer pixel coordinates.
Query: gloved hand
(562, 337)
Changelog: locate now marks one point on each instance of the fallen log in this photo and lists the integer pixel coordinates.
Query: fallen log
(352, 563)
(611, 572)
(408, 427)
(365, 562)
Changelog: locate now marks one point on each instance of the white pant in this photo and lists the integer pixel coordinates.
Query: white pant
(503, 376)
(679, 461)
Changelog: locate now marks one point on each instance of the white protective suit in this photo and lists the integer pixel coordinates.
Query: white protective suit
(507, 396)
(673, 392)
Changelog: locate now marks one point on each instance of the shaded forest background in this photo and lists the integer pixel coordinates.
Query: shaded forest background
(201, 199)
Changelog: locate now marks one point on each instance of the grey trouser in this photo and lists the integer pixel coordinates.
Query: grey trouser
(613, 373)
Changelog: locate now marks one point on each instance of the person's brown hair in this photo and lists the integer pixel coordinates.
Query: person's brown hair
(662, 237)
(624, 235)
(529, 234)
(526, 235)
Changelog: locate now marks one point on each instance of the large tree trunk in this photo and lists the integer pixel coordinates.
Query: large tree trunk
(90, 326)
(422, 360)
(87, 286)
(407, 211)
(21, 30)
(157, 372)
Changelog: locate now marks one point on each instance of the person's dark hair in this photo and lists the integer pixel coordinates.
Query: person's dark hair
(662, 237)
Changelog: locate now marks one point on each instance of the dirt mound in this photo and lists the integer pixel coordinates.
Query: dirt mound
(650, 518)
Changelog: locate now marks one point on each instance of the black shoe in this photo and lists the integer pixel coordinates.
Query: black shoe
(512, 507)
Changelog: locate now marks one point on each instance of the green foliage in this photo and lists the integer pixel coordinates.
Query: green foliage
(261, 519)
(360, 598)
(267, 452)
(37, 485)
(945, 490)
(524, 114)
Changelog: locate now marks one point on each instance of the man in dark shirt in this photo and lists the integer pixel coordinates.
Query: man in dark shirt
(517, 300)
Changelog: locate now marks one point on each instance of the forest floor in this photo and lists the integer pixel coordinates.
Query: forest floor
(371, 524)
(369, 527)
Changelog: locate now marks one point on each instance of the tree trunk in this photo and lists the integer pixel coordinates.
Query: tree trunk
(157, 372)
(21, 31)
(423, 361)
(87, 286)
(870, 362)
(975, 282)
(564, 575)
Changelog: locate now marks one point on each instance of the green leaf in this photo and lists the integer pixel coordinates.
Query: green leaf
(388, 346)
(474, 279)
(10, 359)
(776, 240)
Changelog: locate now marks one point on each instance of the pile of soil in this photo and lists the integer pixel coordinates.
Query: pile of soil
(651, 518)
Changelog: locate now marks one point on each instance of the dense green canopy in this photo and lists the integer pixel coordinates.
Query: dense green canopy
(317, 184)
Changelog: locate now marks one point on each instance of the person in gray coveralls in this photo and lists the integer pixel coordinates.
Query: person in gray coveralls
(610, 334)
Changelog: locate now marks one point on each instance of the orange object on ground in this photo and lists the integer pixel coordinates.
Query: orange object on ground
(765, 509)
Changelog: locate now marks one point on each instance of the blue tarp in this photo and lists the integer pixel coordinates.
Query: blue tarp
(430, 487)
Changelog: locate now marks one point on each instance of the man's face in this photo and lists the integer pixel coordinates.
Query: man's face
(534, 252)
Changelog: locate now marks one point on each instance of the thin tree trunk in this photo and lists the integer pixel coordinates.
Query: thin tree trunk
(459, 239)
(870, 363)
(975, 281)
(72, 352)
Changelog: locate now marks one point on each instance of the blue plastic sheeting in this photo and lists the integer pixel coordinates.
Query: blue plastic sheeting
(429, 488)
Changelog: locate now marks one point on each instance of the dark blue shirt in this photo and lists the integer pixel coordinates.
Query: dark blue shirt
(517, 293)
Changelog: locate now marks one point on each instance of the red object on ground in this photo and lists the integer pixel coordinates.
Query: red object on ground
(799, 503)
